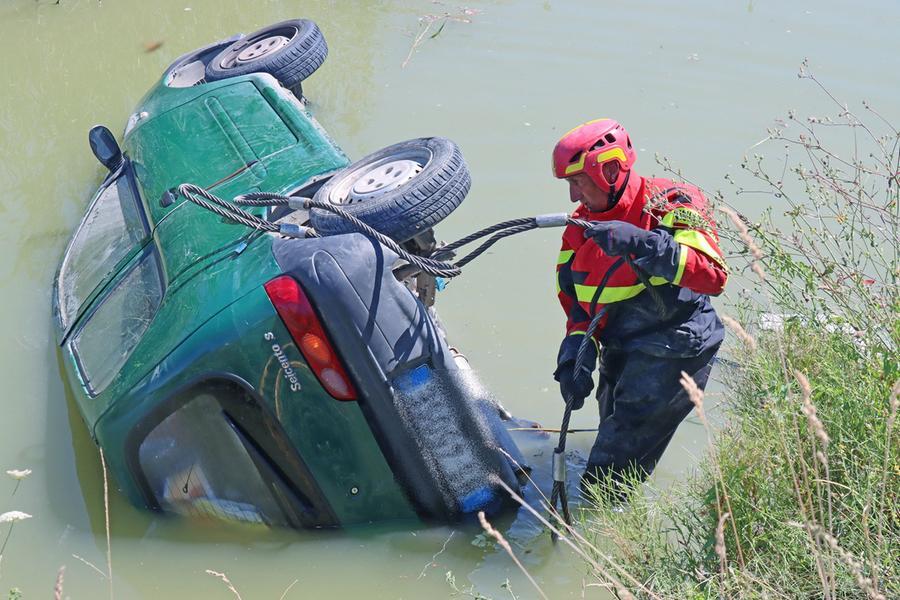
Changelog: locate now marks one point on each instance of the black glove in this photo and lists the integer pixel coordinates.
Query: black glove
(616, 238)
(577, 386)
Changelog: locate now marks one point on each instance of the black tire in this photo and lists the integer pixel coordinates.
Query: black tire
(415, 206)
(290, 63)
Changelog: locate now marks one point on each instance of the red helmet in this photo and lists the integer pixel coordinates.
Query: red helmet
(599, 148)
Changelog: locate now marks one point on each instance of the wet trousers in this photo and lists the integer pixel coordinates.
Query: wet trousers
(641, 405)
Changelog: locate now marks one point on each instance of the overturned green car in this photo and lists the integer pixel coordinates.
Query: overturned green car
(236, 374)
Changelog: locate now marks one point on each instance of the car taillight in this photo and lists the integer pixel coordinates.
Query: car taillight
(299, 317)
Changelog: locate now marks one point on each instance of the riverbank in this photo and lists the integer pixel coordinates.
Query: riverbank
(798, 495)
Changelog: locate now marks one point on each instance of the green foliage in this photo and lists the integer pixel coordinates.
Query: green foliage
(805, 479)
(14, 594)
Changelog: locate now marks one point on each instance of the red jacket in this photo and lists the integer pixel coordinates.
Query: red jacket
(686, 266)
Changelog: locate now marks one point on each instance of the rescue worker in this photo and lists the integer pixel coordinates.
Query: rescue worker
(644, 342)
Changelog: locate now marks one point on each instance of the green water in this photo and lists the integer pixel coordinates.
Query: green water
(698, 82)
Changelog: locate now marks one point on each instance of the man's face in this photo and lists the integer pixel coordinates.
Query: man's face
(583, 189)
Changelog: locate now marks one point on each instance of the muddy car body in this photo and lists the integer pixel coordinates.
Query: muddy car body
(242, 375)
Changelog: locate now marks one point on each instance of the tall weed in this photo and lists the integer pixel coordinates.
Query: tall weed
(808, 461)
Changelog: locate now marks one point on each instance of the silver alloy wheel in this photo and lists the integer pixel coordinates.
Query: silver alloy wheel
(254, 50)
(401, 190)
(289, 51)
(381, 177)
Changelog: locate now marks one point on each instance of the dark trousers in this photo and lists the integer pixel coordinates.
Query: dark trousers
(641, 405)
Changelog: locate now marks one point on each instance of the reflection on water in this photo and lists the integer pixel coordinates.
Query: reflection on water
(695, 81)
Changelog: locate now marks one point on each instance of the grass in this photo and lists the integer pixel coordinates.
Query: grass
(812, 494)
(797, 497)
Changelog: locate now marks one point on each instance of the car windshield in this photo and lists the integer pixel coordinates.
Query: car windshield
(109, 232)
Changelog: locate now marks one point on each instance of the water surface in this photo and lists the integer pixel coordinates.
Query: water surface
(696, 81)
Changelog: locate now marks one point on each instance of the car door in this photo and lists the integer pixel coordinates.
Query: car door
(110, 283)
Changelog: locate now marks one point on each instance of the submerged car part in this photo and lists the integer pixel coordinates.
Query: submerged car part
(214, 390)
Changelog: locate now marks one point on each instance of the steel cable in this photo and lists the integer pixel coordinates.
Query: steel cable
(224, 209)
(559, 492)
(483, 232)
(430, 265)
(493, 240)
(438, 268)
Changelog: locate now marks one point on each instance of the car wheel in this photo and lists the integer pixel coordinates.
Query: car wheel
(290, 51)
(401, 190)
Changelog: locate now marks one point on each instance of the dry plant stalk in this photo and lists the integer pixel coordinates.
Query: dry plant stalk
(720, 543)
(603, 573)
(817, 430)
(109, 572)
(426, 22)
(88, 563)
(739, 331)
(226, 581)
(432, 562)
(489, 529)
(695, 394)
(744, 233)
(809, 410)
(285, 592)
(58, 588)
(851, 562)
(894, 404)
(804, 510)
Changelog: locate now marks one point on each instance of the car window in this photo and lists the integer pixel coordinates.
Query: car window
(111, 229)
(106, 339)
(197, 465)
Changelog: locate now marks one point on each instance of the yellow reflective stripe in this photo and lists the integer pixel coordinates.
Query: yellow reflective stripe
(596, 343)
(616, 153)
(682, 260)
(576, 167)
(610, 294)
(563, 258)
(698, 241)
(582, 125)
(684, 216)
(585, 293)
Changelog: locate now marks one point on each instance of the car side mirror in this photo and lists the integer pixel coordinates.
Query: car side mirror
(105, 148)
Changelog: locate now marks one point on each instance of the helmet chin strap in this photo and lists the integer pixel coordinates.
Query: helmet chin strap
(616, 195)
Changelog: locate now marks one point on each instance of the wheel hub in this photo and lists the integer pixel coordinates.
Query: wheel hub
(253, 51)
(261, 48)
(382, 179)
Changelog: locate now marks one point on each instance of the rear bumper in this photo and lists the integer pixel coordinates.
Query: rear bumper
(439, 433)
